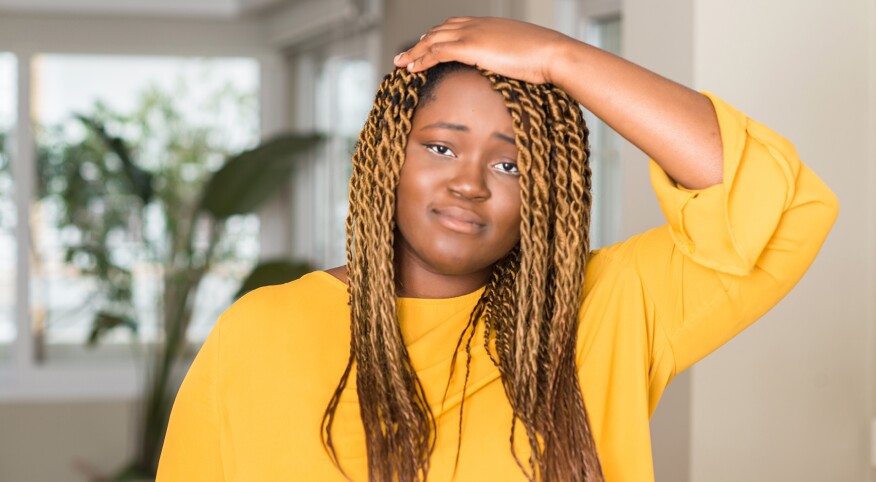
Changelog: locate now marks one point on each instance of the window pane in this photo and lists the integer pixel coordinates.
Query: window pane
(8, 102)
(605, 145)
(344, 94)
(116, 231)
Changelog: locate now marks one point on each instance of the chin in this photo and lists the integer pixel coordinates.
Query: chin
(455, 268)
(455, 265)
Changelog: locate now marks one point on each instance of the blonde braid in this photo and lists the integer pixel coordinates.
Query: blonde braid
(529, 306)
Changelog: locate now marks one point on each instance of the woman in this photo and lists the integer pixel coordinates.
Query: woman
(469, 213)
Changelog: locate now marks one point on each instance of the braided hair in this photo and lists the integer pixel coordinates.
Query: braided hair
(529, 306)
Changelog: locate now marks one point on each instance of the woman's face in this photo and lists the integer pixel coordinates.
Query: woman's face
(458, 198)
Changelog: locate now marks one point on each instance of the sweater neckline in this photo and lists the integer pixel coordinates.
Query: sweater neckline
(431, 328)
(463, 299)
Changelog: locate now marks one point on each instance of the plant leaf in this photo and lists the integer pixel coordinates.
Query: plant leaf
(104, 322)
(141, 181)
(273, 272)
(249, 179)
(134, 472)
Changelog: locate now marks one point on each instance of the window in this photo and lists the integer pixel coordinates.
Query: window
(101, 243)
(605, 145)
(344, 98)
(8, 246)
(339, 78)
(598, 23)
(97, 249)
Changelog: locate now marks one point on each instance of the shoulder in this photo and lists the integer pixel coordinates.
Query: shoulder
(639, 253)
(283, 307)
(339, 272)
(282, 334)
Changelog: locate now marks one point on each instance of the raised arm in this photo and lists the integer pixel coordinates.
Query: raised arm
(672, 124)
(745, 217)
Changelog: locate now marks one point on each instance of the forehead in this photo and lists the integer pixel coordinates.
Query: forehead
(464, 97)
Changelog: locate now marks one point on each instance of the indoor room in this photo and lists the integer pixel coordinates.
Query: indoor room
(161, 158)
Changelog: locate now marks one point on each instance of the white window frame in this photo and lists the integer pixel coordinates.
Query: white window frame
(22, 378)
(606, 145)
(580, 19)
(321, 181)
(267, 40)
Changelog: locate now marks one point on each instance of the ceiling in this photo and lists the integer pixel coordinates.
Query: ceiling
(171, 8)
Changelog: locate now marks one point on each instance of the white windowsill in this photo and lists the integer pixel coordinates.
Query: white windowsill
(70, 383)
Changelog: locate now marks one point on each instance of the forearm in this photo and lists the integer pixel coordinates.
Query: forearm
(672, 124)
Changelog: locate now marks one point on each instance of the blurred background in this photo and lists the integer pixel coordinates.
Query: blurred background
(134, 140)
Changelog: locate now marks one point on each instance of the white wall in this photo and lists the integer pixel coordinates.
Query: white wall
(791, 398)
(107, 34)
(405, 20)
(60, 441)
(659, 36)
(788, 399)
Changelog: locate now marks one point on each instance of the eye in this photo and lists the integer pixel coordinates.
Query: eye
(440, 150)
(508, 167)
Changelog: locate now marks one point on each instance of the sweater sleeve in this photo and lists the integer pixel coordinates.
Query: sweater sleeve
(191, 450)
(731, 251)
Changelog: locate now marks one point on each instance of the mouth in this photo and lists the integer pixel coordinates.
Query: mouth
(459, 220)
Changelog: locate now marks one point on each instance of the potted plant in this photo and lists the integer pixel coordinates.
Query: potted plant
(103, 170)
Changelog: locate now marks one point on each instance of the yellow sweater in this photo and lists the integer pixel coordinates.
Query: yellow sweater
(251, 405)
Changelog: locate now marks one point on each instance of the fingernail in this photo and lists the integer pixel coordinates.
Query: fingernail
(411, 66)
(395, 59)
(422, 36)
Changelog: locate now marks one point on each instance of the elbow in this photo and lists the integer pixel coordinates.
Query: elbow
(832, 204)
(829, 204)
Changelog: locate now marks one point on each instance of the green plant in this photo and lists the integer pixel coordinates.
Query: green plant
(128, 173)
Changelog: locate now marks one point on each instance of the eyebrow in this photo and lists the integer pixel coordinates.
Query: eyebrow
(462, 128)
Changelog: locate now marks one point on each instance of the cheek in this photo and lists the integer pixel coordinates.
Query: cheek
(403, 206)
(510, 212)
(409, 198)
(415, 173)
(507, 228)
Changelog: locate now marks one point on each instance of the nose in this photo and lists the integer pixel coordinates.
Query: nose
(468, 181)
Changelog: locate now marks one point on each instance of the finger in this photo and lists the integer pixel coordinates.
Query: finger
(421, 63)
(458, 20)
(437, 52)
(450, 23)
(447, 26)
(427, 42)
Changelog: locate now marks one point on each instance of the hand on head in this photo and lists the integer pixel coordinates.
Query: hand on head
(507, 47)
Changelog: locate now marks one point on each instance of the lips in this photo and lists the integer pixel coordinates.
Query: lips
(459, 219)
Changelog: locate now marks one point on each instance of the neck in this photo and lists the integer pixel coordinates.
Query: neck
(418, 281)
